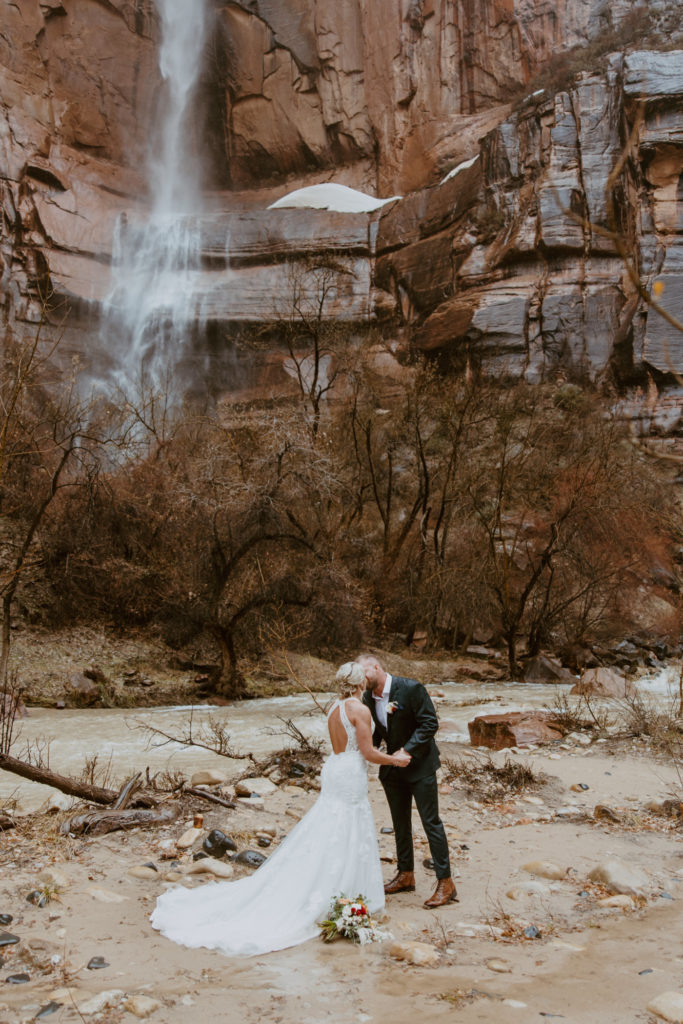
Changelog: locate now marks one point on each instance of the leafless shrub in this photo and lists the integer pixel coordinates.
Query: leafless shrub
(482, 777)
(582, 713)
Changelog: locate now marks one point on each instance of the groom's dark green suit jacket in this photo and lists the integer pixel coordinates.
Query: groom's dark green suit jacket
(411, 724)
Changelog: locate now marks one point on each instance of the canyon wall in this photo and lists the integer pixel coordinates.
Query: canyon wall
(494, 253)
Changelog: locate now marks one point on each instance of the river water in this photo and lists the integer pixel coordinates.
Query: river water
(119, 736)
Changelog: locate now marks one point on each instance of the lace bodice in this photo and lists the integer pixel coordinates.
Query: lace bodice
(349, 729)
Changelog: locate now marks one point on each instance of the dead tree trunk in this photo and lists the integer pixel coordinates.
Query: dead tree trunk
(71, 787)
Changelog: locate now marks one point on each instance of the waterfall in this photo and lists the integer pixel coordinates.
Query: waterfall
(152, 307)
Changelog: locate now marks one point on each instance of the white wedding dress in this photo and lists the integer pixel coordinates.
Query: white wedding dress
(332, 851)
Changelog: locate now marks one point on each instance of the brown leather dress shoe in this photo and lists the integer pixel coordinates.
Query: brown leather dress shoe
(444, 893)
(403, 882)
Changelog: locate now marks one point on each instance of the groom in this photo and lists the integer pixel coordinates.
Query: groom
(405, 719)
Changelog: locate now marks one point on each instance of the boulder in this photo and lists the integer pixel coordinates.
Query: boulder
(208, 777)
(82, 691)
(621, 878)
(513, 729)
(602, 682)
(255, 787)
(543, 669)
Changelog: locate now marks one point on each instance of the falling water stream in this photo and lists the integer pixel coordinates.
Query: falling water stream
(153, 306)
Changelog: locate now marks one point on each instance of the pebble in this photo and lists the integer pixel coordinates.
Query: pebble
(532, 932)
(172, 876)
(7, 939)
(208, 777)
(6, 919)
(536, 800)
(621, 878)
(188, 838)
(264, 841)
(421, 954)
(293, 813)
(141, 1006)
(143, 872)
(545, 869)
(209, 865)
(669, 1006)
(38, 898)
(518, 892)
(97, 963)
(251, 858)
(18, 979)
(267, 831)
(386, 830)
(579, 787)
(48, 1009)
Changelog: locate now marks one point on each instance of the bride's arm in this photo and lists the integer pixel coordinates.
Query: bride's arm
(360, 717)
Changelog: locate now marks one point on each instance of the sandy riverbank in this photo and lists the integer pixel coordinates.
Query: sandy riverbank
(587, 965)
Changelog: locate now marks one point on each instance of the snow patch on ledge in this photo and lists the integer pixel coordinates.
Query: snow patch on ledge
(328, 196)
(461, 167)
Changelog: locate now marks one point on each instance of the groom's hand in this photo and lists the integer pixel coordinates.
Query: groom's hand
(403, 758)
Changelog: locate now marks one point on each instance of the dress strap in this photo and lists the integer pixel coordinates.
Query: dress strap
(334, 707)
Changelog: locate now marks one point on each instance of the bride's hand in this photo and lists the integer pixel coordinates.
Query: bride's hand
(401, 759)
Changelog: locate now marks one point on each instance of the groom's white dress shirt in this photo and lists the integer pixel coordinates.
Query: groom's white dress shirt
(381, 703)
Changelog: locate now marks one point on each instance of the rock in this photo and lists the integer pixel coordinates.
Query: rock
(531, 932)
(188, 838)
(255, 787)
(579, 787)
(82, 691)
(7, 939)
(291, 812)
(264, 841)
(17, 979)
(518, 892)
(666, 808)
(601, 812)
(210, 866)
(143, 872)
(602, 682)
(57, 802)
(621, 878)
(97, 963)
(543, 669)
(256, 803)
(513, 729)
(48, 1009)
(105, 895)
(421, 954)
(101, 1001)
(250, 858)
(208, 777)
(6, 919)
(545, 869)
(621, 901)
(668, 1006)
(217, 843)
(141, 1006)
(499, 966)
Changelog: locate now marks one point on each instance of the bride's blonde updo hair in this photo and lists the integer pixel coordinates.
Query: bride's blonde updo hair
(349, 677)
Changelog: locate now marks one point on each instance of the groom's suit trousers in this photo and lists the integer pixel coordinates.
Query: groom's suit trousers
(400, 794)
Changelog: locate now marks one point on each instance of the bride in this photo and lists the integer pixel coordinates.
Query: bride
(332, 851)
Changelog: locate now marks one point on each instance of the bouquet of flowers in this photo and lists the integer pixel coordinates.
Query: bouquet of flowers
(350, 919)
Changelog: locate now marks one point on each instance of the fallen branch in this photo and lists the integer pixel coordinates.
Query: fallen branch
(203, 794)
(126, 792)
(98, 823)
(72, 787)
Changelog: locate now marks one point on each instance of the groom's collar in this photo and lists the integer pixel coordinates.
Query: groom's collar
(386, 689)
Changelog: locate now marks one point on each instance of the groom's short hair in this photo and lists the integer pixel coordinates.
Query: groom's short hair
(369, 656)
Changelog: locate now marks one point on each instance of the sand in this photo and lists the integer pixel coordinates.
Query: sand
(587, 965)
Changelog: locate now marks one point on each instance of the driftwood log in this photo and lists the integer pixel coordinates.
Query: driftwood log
(211, 797)
(98, 823)
(73, 787)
